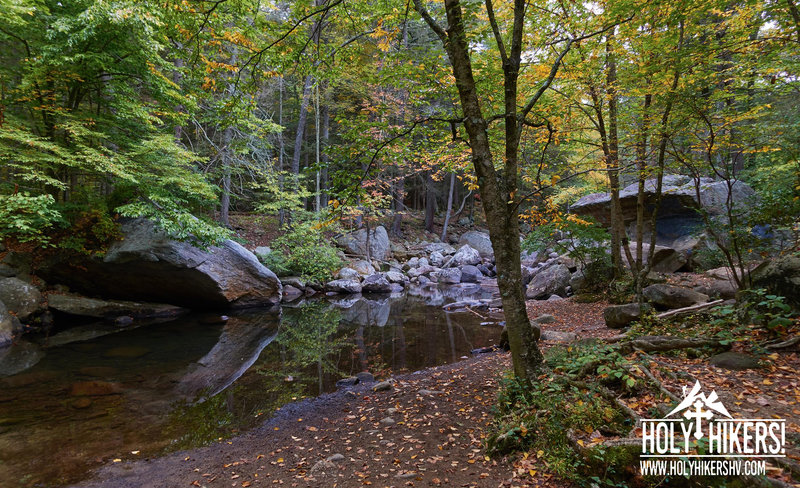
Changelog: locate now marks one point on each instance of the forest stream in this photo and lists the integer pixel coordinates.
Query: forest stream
(96, 393)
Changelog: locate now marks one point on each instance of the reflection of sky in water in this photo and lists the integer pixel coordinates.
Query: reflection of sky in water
(103, 396)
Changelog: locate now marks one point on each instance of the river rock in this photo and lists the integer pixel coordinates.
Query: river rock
(552, 280)
(395, 277)
(718, 288)
(363, 267)
(449, 276)
(7, 271)
(19, 297)
(9, 325)
(19, 357)
(437, 259)
(479, 241)
(376, 283)
(621, 316)
(441, 247)
(544, 319)
(348, 274)
(294, 281)
(356, 243)
(93, 307)
(343, 286)
(781, 277)
(466, 255)
(734, 361)
(671, 296)
(470, 274)
(149, 265)
(559, 337)
(291, 293)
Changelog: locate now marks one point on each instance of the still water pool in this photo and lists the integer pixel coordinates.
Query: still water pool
(93, 393)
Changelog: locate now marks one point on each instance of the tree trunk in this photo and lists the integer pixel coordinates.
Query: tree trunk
(449, 206)
(496, 190)
(430, 202)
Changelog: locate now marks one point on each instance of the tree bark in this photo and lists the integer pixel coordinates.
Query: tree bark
(496, 190)
(449, 206)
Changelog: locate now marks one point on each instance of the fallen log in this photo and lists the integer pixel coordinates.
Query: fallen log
(693, 308)
(668, 343)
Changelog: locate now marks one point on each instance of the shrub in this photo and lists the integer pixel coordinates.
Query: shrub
(303, 251)
(28, 218)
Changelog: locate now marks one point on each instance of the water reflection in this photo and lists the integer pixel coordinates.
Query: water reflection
(185, 383)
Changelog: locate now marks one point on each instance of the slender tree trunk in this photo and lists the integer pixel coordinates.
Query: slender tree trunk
(430, 202)
(294, 168)
(449, 206)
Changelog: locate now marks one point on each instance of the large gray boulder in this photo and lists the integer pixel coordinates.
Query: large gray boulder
(677, 215)
(479, 241)
(670, 296)
(552, 280)
(781, 277)
(356, 243)
(149, 265)
(93, 307)
(466, 255)
(20, 297)
(620, 316)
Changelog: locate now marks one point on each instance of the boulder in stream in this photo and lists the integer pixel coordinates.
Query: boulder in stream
(149, 265)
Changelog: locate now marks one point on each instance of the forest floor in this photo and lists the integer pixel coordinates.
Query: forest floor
(429, 428)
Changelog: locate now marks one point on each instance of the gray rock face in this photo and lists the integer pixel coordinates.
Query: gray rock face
(356, 243)
(620, 316)
(7, 271)
(470, 274)
(449, 276)
(376, 283)
(552, 280)
(466, 255)
(677, 215)
(781, 277)
(343, 286)
(734, 361)
(665, 259)
(479, 241)
(93, 307)
(9, 325)
(436, 258)
(19, 297)
(148, 265)
(670, 296)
